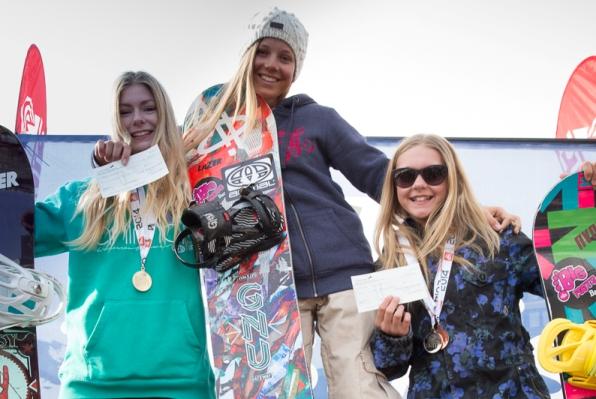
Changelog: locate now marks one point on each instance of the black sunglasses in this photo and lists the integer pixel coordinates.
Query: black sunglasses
(433, 175)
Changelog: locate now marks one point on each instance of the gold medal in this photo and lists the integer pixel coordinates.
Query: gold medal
(141, 280)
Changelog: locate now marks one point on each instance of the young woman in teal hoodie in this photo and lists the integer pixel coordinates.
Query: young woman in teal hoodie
(134, 317)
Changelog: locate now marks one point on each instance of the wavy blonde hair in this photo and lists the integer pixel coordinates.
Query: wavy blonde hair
(238, 94)
(166, 197)
(460, 215)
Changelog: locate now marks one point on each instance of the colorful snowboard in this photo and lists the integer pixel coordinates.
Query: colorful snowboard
(254, 321)
(565, 246)
(19, 372)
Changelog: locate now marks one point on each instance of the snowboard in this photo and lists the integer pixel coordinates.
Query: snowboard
(564, 237)
(252, 309)
(19, 370)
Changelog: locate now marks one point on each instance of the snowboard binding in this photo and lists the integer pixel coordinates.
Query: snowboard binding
(222, 238)
(576, 353)
(26, 296)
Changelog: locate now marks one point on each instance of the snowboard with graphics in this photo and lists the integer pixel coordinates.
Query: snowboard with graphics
(253, 315)
(19, 372)
(564, 238)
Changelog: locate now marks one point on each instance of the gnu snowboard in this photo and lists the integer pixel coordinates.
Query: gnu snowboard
(254, 320)
(565, 246)
(19, 373)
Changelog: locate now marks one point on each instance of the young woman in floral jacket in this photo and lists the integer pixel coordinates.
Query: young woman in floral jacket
(466, 340)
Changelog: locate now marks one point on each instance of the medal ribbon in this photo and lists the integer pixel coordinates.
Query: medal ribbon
(435, 304)
(144, 223)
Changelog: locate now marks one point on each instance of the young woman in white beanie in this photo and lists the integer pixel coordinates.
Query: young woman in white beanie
(326, 235)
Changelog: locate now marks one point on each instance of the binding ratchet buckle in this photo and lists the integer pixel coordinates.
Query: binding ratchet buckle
(28, 297)
(220, 239)
(566, 347)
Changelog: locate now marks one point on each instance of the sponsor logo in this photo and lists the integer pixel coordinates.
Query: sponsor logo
(211, 164)
(8, 180)
(572, 276)
(585, 132)
(30, 121)
(255, 326)
(258, 172)
(207, 190)
(571, 160)
(211, 221)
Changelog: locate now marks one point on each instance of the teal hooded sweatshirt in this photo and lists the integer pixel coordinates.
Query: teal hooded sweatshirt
(122, 342)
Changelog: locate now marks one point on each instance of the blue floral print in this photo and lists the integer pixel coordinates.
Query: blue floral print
(489, 354)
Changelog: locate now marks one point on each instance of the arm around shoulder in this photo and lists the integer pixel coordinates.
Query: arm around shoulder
(361, 163)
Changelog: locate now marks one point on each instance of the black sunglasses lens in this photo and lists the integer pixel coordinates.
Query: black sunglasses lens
(434, 175)
(404, 177)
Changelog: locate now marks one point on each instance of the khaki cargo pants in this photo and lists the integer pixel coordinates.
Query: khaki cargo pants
(345, 350)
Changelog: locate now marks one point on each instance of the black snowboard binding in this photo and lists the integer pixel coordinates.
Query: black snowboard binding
(221, 238)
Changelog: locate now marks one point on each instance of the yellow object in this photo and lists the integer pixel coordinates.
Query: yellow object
(576, 353)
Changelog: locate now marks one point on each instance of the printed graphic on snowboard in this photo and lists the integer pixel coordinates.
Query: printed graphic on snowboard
(19, 374)
(254, 321)
(565, 246)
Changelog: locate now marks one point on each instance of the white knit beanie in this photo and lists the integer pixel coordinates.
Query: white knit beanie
(280, 25)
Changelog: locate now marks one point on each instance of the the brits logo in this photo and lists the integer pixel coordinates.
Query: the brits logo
(8, 180)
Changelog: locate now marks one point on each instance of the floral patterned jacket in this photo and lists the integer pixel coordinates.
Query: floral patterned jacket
(489, 354)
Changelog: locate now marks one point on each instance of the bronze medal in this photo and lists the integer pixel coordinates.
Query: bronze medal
(141, 280)
(444, 336)
(433, 342)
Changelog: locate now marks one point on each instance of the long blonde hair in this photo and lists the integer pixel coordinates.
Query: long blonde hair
(238, 94)
(166, 197)
(460, 215)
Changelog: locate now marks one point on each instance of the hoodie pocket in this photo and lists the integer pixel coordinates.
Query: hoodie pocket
(140, 340)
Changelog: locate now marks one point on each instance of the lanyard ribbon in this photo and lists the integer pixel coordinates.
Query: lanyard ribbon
(435, 304)
(144, 223)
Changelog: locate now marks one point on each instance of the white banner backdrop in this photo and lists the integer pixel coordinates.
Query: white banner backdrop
(513, 174)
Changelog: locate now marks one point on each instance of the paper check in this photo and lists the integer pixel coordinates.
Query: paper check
(142, 168)
(406, 282)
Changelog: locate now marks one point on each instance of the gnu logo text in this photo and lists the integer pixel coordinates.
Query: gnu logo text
(255, 329)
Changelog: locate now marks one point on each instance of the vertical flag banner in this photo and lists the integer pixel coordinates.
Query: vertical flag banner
(31, 108)
(577, 113)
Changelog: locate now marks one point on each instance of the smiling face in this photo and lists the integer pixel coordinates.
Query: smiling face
(421, 199)
(138, 115)
(273, 70)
